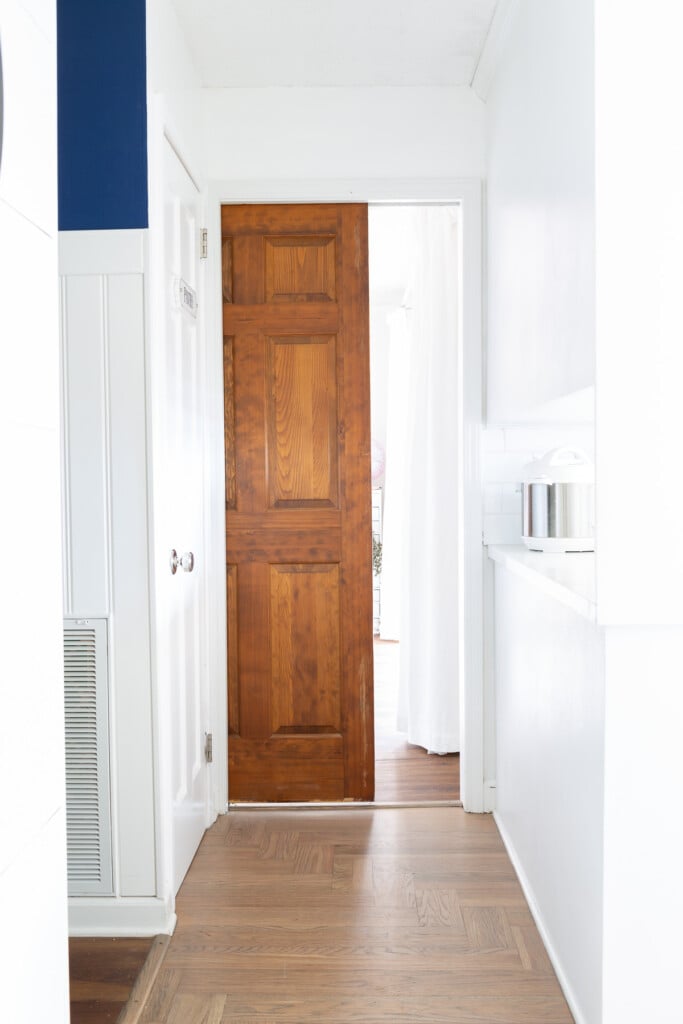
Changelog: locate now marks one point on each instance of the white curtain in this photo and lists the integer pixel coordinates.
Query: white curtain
(419, 563)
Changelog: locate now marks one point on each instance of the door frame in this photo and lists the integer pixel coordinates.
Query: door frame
(467, 193)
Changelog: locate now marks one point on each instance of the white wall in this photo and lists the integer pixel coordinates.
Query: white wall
(550, 749)
(639, 223)
(541, 211)
(106, 517)
(639, 418)
(549, 674)
(341, 133)
(173, 86)
(32, 815)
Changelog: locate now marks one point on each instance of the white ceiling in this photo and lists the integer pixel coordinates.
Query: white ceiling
(335, 42)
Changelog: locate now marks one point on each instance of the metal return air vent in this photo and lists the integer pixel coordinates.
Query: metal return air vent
(88, 820)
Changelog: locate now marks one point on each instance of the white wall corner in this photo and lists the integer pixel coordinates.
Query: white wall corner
(494, 47)
(489, 795)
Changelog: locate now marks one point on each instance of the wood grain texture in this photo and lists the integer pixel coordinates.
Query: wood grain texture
(300, 269)
(305, 649)
(229, 421)
(226, 261)
(233, 661)
(299, 531)
(302, 421)
(411, 915)
(102, 973)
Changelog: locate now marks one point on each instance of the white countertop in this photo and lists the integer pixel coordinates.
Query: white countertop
(569, 578)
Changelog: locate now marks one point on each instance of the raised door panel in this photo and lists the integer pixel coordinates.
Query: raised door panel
(305, 649)
(302, 421)
(300, 269)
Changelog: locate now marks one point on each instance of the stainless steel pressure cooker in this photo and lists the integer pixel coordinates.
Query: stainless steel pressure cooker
(558, 502)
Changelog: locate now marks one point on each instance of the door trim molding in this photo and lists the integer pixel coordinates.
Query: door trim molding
(467, 193)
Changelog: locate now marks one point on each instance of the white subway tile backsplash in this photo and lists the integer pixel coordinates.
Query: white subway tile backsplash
(503, 467)
(539, 440)
(502, 529)
(493, 499)
(511, 499)
(505, 451)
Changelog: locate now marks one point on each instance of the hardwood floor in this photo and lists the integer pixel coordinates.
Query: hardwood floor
(404, 773)
(375, 916)
(102, 973)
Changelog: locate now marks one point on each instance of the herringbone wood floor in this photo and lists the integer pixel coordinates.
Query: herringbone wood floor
(393, 915)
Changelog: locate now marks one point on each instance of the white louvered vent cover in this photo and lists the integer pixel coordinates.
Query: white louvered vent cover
(88, 821)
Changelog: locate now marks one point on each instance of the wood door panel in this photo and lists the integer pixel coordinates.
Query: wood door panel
(305, 649)
(298, 530)
(299, 768)
(300, 268)
(302, 421)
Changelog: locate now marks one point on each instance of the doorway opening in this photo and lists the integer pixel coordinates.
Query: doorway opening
(415, 278)
(474, 691)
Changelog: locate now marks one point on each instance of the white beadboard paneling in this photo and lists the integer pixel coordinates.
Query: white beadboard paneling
(86, 459)
(28, 182)
(550, 749)
(106, 514)
(29, 316)
(130, 584)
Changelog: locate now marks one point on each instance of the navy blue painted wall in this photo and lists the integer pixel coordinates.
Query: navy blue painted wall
(102, 110)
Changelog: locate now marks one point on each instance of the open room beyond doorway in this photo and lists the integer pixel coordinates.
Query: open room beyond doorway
(414, 341)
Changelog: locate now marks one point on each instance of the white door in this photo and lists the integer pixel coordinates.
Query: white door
(179, 518)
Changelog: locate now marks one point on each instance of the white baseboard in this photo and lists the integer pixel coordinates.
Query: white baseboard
(562, 978)
(120, 917)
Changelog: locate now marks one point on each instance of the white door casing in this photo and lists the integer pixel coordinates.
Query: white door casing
(475, 704)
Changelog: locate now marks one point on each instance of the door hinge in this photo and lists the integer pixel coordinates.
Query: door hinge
(203, 243)
(208, 747)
